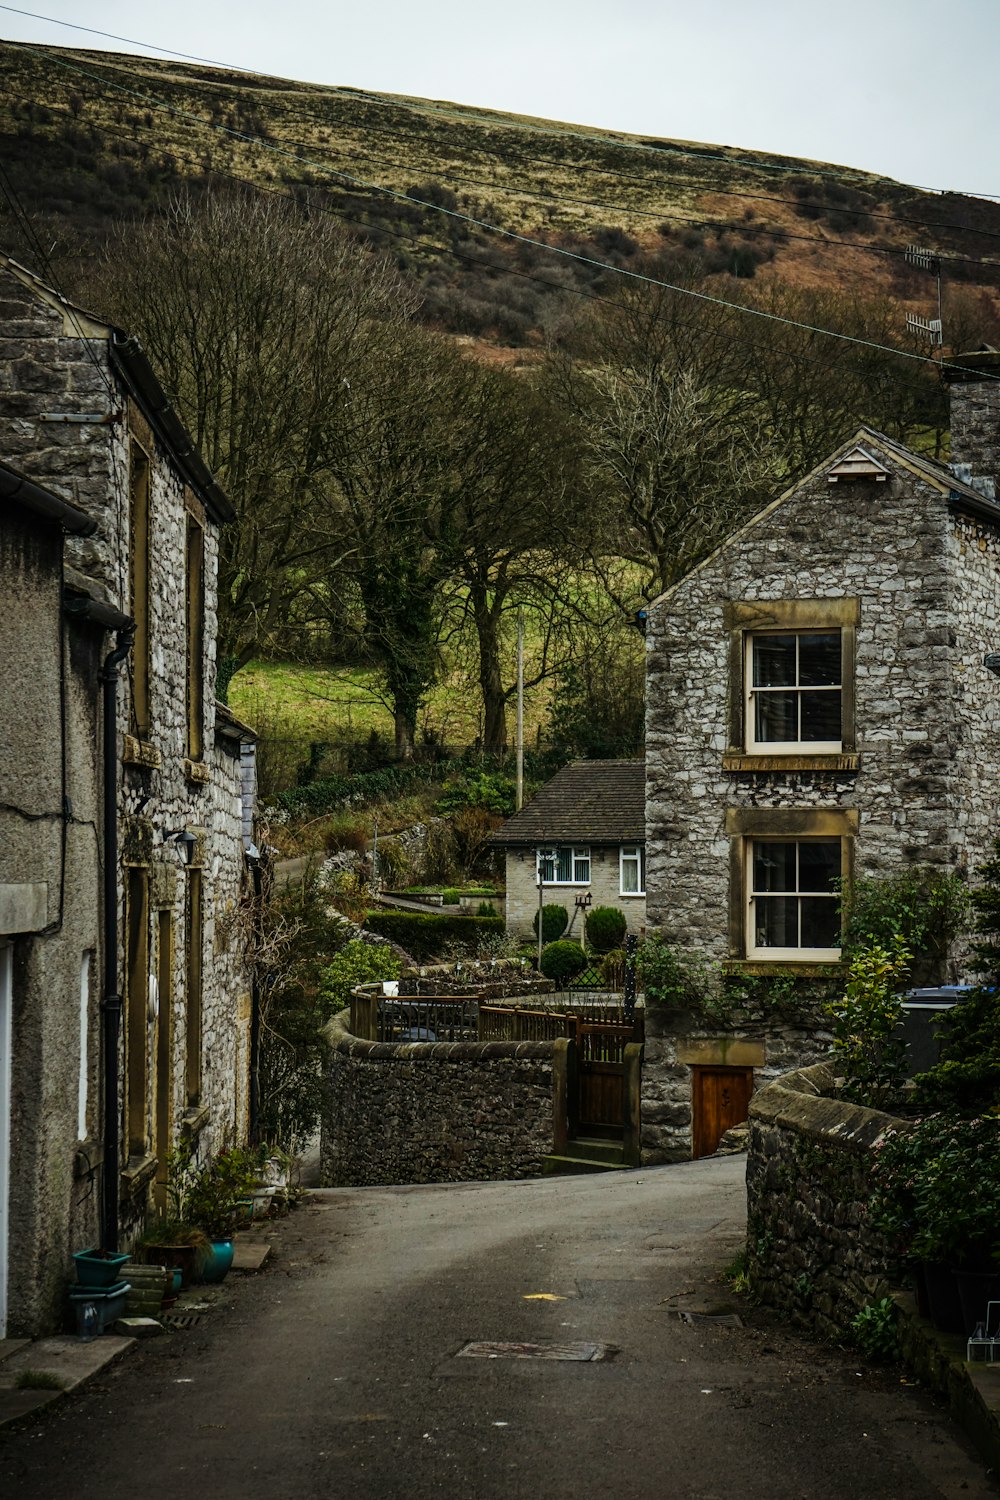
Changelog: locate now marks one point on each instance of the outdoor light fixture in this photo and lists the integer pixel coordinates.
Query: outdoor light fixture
(991, 661)
(185, 841)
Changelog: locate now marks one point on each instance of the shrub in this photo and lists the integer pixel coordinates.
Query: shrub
(668, 978)
(490, 790)
(613, 969)
(431, 937)
(356, 963)
(555, 920)
(560, 961)
(605, 928)
(927, 908)
(936, 1188)
(875, 1332)
(868, 1045)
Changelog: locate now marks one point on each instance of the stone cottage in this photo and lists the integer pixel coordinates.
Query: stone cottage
(124, 992)
(819, 703)
(580, 839)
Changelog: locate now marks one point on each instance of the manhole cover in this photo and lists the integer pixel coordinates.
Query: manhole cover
(578, 1352)
(725, 1320)
(180, 1320)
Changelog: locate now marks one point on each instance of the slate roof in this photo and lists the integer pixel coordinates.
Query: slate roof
(587, 802)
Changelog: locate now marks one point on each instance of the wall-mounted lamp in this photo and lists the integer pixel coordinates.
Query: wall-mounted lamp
(185, 841)
(991, 661)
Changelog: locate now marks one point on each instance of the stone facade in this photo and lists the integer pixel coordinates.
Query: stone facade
(434, 1111)
(810, 1249)
(908, 562)
(181, 958)
(677, 1043)
(604, 889)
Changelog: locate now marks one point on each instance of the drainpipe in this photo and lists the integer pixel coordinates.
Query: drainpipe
(111, 1003)
(256, 875)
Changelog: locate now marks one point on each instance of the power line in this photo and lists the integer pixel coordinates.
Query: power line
(633, 275)
(509, 123)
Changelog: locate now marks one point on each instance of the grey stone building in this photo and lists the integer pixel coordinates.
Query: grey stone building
(583, 834)
(124, 993)
(818, 702)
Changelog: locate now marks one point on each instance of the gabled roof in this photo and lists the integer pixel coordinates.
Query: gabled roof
(952, 489)
(130, 361)
(587, 802)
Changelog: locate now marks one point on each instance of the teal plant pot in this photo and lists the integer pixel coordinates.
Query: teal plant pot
(97, 1268)
(218, 1261)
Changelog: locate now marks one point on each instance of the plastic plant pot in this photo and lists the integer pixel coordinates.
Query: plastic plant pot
(97, 1267)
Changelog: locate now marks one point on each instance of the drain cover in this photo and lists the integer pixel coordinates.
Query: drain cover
(580, 1353)
(725, 1320)
(180, 1320)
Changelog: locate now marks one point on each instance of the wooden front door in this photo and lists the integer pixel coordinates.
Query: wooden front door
(720, 1098)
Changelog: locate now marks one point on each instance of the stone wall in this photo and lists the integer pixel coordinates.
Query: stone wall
(434, 1111)
(810, 1249)
(676, 1042)
(604, 890)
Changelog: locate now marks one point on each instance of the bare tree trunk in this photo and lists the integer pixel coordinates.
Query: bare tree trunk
(487, 619)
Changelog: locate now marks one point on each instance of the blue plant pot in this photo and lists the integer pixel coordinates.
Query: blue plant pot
(217, 1261)
(96, 1269)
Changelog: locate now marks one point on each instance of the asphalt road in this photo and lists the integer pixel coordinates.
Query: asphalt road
(337, 1372)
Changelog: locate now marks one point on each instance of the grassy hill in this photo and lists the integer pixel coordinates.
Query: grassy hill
(87, 137)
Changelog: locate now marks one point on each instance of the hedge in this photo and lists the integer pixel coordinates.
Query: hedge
(427, 937)
(333, 792)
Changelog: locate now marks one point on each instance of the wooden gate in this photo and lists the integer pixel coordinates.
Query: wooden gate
(600, 1064)
(720, 1098)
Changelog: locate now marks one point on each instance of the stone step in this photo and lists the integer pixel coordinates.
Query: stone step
(554, 1166)
(595, 1148)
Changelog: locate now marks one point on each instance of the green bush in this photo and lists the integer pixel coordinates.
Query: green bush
(875, 1332)
(560, 961)
(431, 937)
(356, 963)
(605, 928)
(925, 907)
(868, 1045)
(935, 1189)
(555, 920)
(669, 978)
(329, 793)
(490, 790)
(613, 969)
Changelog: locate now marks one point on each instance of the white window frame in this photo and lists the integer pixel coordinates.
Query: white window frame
(801, 955)
(579, 854)
(632, 854)
(755, 746)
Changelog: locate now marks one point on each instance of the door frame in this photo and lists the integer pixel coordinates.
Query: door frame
(698, 1072)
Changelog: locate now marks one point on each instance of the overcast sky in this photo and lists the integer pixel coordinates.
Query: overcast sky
(903, 87)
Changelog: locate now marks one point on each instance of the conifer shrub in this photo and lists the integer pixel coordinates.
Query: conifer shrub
(605, 928)
(562, 960)
(555, 920)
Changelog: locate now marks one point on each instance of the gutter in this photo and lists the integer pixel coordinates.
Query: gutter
(14, 486)
(132, 364)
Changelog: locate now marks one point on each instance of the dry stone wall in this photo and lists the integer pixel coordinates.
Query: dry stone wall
(434, 1111)
(810, 1248)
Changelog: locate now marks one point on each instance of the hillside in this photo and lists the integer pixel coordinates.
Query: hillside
(87, 137)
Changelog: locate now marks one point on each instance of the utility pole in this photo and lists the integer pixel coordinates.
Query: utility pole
(519, 796)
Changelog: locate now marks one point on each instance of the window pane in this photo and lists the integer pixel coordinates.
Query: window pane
(630, 872)
(773, 867)
(819, 865)
(776, 922)
(776, 717)
(819, 660)
(546, 865)
(774, 661)
(821, 716)
(581, 866)
(564, 859)
(820, 923)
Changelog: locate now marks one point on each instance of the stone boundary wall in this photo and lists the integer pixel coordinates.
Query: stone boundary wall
(810, 1250)
(405, 1112)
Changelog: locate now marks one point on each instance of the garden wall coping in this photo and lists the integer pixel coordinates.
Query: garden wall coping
(800, 1102)
(341, 1040)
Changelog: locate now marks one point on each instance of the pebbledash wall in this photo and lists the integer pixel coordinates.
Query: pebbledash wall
(434, 1111)
(57, 362)
(604, 889)
(810, 1248)
(928, 591)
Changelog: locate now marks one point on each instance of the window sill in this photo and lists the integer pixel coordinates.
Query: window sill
(194, 1120)
(737, 760)
(632, 895)
(136, 752)
(197, 772)
(807, 968)
(138, 1173)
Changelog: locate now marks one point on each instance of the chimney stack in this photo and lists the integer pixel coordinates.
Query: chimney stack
(974, 398)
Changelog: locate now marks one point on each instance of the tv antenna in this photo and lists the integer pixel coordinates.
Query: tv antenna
(932, 329)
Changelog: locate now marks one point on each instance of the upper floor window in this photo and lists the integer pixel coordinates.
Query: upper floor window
(632, 864)
(794, 685)
(564, 865)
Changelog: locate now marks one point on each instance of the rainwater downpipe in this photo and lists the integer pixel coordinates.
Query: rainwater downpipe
(111, 1002)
